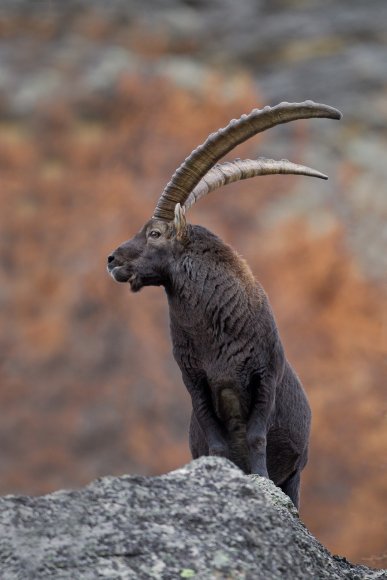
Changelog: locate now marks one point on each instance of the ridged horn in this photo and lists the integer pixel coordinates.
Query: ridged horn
(230, 171)
(204, 157)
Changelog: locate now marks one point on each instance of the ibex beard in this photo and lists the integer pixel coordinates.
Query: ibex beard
(247, 402)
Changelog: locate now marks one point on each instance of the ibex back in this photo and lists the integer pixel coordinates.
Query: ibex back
(247, 402)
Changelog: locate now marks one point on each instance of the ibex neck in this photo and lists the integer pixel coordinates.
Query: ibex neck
(211, 285)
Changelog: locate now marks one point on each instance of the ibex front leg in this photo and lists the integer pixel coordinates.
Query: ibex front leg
(258, 422)
(204, 412)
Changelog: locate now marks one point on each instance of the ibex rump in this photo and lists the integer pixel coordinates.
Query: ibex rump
(248, 404)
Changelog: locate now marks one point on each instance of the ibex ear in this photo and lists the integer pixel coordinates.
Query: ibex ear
(180, 222)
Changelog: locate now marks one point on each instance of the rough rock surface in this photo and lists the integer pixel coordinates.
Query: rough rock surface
(206, 520)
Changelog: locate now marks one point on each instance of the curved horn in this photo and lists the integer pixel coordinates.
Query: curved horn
(190, 172)
(231, 171)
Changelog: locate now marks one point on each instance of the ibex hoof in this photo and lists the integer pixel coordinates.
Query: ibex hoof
(218, 450)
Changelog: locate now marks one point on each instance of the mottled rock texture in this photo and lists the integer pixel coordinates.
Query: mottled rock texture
(206, 520)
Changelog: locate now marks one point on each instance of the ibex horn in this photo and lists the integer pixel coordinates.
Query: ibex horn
(231, 171)
(202, 159)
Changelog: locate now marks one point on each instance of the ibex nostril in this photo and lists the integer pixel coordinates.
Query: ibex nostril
(110, 259)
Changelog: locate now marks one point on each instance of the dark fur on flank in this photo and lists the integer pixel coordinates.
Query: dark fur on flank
(248, 404)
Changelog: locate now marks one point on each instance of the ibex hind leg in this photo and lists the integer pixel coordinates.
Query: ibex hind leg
(291, 486)
(197, 442)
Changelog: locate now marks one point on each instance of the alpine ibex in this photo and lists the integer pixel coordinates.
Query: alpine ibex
(248, 404)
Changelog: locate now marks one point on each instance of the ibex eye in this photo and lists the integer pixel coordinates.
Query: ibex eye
(154, 234)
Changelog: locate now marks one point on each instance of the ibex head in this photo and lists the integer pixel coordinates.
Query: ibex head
(148, 258)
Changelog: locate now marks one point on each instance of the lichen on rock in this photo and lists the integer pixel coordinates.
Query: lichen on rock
(206, 520)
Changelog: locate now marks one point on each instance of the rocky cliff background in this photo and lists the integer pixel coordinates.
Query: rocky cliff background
(99, 102)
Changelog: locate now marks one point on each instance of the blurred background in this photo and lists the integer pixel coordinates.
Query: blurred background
(99, 102)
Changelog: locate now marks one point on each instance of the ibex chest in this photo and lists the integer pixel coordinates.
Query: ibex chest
(199, 347)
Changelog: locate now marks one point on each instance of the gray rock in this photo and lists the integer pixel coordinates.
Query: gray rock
(207, 520)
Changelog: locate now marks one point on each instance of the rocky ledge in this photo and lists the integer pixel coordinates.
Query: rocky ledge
(207, 520)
